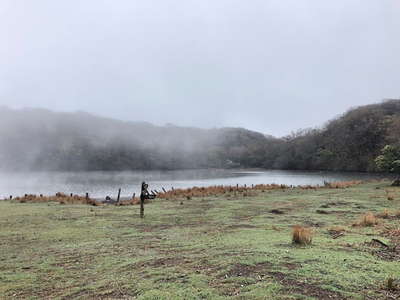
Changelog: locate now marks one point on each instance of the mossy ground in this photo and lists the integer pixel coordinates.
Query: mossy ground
(230, 246)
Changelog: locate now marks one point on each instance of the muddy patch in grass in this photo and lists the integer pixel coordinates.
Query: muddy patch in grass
(389, 253)
(260, 271)
(160, 227)
(240, 226)
(277, 211)
(162, 262)
(304, 288)
(243, 270)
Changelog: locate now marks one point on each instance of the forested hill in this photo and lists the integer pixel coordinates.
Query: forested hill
(348, 143)
(36, 139)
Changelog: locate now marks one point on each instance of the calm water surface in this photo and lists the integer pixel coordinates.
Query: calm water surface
(101, 184)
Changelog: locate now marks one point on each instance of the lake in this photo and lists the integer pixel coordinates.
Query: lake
(101, 184)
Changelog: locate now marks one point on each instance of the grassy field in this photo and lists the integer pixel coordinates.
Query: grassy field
(237, 245)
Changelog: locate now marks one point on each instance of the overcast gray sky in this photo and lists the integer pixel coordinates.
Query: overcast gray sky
(267, 65)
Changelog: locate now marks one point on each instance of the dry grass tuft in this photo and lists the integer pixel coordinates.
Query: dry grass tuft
(58, 197)
(367, 220)
(390, 195)
(384, 215)
(302, 235)
(342, 184)
(218, 190)
(245, 190)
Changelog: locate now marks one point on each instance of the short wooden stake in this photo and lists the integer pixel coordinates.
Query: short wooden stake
(119, 195)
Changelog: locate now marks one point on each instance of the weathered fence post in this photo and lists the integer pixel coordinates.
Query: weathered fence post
(119, 195)
(142, 198)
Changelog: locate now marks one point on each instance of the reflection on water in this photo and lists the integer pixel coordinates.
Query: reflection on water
(101, 184)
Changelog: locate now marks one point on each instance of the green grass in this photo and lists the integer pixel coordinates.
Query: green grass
(208, 248)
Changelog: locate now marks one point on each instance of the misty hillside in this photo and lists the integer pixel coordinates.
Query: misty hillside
(36, 139)
(348, 143)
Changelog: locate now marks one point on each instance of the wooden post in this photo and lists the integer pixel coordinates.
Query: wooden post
(119, 195)
(71, 195)
(10, 197)
(87, 196)
(134, 194)
(164, 190)
(142, 197)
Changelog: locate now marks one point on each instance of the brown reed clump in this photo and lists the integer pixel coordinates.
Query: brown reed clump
(218, 190)
(390, 197)
(342, 184)
(367, 220)
(302, 235)
(244, 190)
(385, 214)
(58, 197)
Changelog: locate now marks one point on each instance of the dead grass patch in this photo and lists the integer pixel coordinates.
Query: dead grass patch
(342, 184)
(367, 220)
(302, 235)
(385, 214)
(58, 197)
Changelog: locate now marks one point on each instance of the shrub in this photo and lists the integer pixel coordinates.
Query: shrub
(302, 235)
(367, 220)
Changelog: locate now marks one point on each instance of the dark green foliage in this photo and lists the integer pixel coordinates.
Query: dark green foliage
(389, 160)
(348, 143)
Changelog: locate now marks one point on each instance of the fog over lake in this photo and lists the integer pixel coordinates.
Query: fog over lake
(101, 184)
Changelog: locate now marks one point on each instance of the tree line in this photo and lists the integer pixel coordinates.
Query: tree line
(37, 139)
